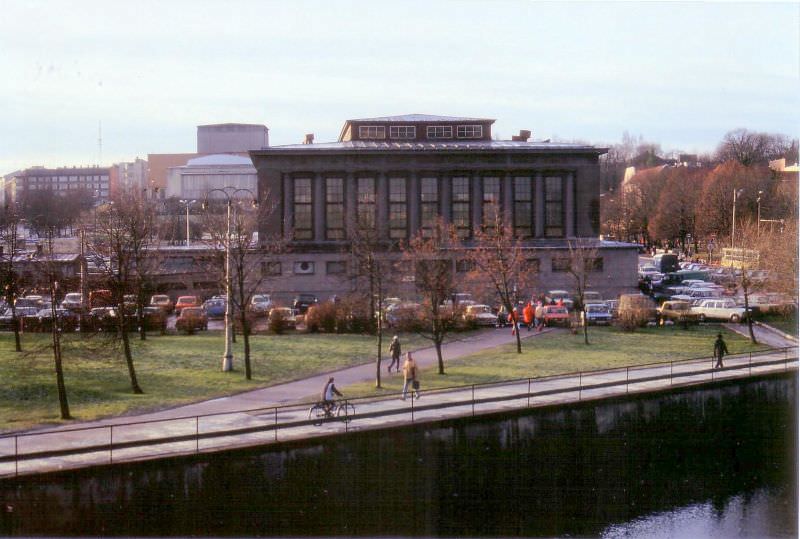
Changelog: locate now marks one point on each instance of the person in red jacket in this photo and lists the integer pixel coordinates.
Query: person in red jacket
(527, 315)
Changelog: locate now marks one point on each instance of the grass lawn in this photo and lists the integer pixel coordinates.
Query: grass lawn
(171, 369)
(559, 353)
(787, 324)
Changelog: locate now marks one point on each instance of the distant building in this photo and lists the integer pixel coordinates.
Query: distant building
(397, 174)
(231, 138)
(132, 175)
(202, 174)
(93, 181)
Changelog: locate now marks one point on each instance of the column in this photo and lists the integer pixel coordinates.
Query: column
(538, 206)
(569, 206)
(476, 201)
(287, 224)
(413, 204)
(507, 207)
(319, 207)
(382, 203)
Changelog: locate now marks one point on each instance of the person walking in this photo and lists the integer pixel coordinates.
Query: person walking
(410, 376)
(394, 351)
(720, 349)
(527, 315)
(539, 314)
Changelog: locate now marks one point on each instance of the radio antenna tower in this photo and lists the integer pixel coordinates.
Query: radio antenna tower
(99, 143)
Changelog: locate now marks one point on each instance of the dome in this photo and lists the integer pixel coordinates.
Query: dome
(219, 159)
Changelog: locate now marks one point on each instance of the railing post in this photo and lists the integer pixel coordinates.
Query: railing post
(671, 364)
(412, 406)
(580, 385)
(627, 379)
(529, 393)
(197, 434)
(276, 423)
(345, 416)
(111, 445)
(473, 400)
(16, 455)
(750, 364)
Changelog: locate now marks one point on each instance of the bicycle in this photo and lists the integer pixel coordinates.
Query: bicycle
(341, 409)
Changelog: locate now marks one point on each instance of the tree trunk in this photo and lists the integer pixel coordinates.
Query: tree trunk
(15, 325)
(519, 339)
(126, 347)
(747, 314)
(585, 327)
(63, 403)
(248, 372)
(437, 342)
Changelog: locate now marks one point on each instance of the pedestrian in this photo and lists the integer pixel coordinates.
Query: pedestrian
(527, 315)
(514, 318)
(539, 315)
(394, 351)
(410, 376)
(720, 349)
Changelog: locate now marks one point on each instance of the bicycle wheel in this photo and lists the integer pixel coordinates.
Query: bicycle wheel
(346, 411)
(317, 414)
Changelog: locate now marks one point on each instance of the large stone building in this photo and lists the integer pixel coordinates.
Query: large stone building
(200, 175)
(93, 181)
(400, 173)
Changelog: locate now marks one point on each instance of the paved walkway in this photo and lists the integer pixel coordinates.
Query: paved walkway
(237, 427)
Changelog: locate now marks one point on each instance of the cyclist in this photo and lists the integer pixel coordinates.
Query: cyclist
(327, 396)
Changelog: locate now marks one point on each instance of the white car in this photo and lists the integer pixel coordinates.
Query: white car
(260, 304)
(719, 309)
(697, 295)
(480, 314)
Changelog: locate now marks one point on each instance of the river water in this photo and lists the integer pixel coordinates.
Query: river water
(719, 463)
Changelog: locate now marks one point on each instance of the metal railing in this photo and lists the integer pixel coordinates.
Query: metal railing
(101, 444)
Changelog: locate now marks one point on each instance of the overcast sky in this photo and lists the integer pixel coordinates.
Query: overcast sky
(680, 74)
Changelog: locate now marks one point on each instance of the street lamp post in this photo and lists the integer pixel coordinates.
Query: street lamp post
(736, 194)
(187, 203)
(758, 213)
(229, 193)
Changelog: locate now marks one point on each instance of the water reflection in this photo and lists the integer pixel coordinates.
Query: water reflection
(763, 514)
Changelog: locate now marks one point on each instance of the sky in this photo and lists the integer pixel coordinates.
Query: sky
(141, 75)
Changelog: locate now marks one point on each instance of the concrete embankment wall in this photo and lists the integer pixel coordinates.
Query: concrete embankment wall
(545, 471)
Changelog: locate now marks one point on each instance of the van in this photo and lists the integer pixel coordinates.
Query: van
(666, 262)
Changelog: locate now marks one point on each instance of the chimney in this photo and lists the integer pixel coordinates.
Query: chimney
(309, 139)
(524, 135)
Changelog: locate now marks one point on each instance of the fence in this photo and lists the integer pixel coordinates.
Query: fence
(36, 452)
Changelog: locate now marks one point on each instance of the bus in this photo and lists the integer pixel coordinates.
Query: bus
(737, 257)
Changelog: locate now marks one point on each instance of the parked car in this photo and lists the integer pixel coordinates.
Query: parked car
(598, 313)
(302, 302)
(163, 302)
(191, 319)
(6, 320)
(285, 314)
(590, 296)
(770, 302)
(214, 308)
(29, 301)
(696, 295)
(186, 301)
(480, 315)
(398, 312)
(555, 315)
(719, 309)
(72, 301)
(154, 319)
(68, 320)
(100, 298)
(677, 311)
(260, 304)
(613, 306)
(666, 262)
(553, 296)
(102, 319)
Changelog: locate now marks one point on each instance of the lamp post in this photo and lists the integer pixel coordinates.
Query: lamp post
(736, 193)
(229, 194)
(187, 203)
(758, 213)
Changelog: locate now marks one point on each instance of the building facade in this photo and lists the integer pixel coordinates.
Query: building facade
(94, 181)
(202, 174)
(399, 174)
(231, 138)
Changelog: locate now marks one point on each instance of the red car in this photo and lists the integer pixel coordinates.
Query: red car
(191, 319)
(556, 315)
(186, 301)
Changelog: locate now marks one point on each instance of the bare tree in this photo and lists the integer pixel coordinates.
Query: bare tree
(430, 258)
(675, 212)
(9, 229)
(499, 258)
(125, 229)
(372, 267)
(250, 257)
(750, 147)
(583, 261)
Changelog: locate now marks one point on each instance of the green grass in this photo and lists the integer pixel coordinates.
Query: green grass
(171, 369)
(560, 353)
(788, 324)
